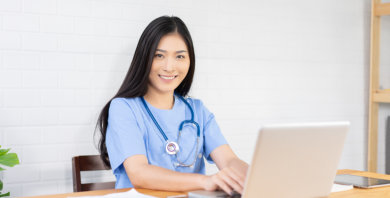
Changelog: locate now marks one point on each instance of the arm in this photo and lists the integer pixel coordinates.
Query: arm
(231, 175)
(144, 175)
(224, 157)
(232, 172)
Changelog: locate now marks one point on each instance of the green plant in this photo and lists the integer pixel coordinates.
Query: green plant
(7, 159)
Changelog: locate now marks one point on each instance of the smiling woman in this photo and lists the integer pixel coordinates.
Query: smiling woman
(151, 135)
(169, 68)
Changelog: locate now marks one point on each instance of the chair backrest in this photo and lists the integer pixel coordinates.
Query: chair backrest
(88, 163)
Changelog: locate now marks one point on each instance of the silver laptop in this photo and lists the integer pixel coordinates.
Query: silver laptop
(293, 161)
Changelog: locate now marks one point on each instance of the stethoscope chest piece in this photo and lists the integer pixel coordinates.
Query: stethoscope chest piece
(172, 148)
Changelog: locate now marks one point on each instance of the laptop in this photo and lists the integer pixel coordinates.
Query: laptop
(293, 161)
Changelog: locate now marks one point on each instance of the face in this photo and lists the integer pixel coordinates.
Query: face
(170, 64)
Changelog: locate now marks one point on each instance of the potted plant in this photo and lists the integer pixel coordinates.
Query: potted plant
(6, 159)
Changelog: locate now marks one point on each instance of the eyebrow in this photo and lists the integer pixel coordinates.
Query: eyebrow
(180, 51)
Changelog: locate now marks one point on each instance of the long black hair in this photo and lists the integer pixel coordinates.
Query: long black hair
(136, 81)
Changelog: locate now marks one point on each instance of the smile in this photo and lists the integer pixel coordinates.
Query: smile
(167, 77)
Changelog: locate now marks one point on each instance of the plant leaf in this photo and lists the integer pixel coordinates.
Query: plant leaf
(1, 169)
(4, 151)
(1, 185)
(9, 159)
(5, 195)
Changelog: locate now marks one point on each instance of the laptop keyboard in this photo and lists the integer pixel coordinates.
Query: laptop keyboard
(235, 195)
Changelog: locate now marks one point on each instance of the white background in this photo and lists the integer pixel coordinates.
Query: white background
(258, 62)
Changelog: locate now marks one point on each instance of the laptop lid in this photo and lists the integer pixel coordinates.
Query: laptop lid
(295, 160)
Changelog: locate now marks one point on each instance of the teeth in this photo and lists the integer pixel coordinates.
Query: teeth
(167, 77)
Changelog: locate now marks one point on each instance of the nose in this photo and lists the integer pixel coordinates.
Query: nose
(169, 65)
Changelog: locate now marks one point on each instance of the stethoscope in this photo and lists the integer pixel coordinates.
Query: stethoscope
(171, 147)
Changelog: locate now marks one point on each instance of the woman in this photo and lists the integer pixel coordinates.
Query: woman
(152, 137)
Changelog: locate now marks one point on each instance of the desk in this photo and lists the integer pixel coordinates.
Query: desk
(354, 193)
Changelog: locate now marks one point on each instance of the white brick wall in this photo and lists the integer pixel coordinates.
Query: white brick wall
(258, 62)
(40, 6)
(9, 40)
(11, 5)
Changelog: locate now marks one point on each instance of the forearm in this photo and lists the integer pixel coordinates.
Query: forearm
(154, 177)
(238, 164)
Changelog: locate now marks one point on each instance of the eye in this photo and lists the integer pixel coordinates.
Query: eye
(158, 55)
(180, 56)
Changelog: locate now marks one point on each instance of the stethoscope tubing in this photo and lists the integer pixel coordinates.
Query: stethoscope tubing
(181, 124)
(171, 147)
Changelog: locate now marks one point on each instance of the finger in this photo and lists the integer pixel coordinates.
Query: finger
(226, 176)
(235, 176)
(220, 182)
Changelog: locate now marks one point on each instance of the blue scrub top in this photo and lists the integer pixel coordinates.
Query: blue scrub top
(131, 131)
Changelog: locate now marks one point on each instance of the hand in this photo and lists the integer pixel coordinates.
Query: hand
(226, 179)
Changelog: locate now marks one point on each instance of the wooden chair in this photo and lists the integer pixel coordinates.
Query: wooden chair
(88, 163)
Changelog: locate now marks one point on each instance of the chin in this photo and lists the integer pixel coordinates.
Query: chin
(162, 90)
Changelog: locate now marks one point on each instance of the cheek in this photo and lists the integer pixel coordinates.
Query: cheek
(154, 68)
(185, 68)
(153, 77)
(154, 71)
(186, 71)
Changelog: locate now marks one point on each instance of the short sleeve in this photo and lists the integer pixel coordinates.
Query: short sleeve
(124, 137)
(213, 137)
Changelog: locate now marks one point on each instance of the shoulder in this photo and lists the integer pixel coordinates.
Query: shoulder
(200, 110)
(198, 106)
(122, 101)
(123, 105)
(196, 103)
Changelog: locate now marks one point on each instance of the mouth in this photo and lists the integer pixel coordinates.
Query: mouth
(167, 77)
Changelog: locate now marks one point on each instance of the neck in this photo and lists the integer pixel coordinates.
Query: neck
(160, 100)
